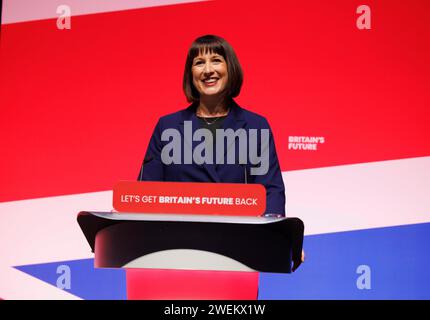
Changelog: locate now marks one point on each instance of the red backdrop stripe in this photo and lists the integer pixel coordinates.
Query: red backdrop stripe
(78, 106)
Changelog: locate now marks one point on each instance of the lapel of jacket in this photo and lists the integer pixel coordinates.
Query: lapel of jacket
(235, 120)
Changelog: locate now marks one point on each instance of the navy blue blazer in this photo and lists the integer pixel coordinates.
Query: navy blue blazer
(155, 170)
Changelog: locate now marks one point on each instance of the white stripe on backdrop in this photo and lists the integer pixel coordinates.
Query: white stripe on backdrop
(30, 10)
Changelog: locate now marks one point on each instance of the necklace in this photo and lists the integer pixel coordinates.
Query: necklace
(215, 118)
(210, 122)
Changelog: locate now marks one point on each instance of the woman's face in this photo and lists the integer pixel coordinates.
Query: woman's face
(210, 75)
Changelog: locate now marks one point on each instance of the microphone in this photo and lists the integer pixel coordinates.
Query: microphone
(245, 174)
(145, 161)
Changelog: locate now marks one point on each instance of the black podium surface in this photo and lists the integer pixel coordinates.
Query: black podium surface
(265, 244)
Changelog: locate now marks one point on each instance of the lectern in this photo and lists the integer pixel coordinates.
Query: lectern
(172, 256)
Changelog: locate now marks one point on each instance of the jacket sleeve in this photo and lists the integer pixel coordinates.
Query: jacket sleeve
(272, 180)
(152, 167)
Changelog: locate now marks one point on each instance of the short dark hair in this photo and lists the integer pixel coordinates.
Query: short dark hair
(213, 44)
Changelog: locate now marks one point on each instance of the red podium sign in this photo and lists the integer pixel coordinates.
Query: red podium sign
(190, 198)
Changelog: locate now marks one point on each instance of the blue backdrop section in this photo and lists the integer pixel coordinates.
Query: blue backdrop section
(85, 281)
(395, 261)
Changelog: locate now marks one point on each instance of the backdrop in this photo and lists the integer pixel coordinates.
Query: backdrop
(344, 85)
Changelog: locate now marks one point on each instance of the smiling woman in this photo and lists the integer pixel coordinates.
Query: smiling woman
(210, 74)
(212, 78)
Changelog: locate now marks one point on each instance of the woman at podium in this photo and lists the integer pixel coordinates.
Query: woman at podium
(214, 139)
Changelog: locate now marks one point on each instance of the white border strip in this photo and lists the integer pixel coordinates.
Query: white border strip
(30, 10)
(360, 196)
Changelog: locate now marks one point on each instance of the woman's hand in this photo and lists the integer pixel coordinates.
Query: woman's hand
(297, 263)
